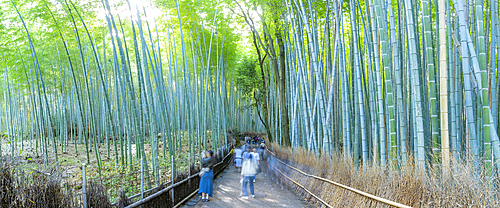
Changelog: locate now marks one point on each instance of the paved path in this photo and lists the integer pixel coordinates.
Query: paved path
(267, 193)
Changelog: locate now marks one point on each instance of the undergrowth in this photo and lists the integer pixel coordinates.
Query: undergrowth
(43, 188)
(405, 185)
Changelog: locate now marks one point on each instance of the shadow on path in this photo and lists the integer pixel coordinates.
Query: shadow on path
(267, 193)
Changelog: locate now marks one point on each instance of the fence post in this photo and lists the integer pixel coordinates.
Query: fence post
(84, 185)
(142, 178)
(173, 178)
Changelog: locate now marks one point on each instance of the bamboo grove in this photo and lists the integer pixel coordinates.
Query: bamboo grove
(118, 81)
(386, 82)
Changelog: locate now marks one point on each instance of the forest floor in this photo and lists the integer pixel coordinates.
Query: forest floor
(113, 177)
(268, 193)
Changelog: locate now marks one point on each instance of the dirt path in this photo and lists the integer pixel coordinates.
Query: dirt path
(267, 193)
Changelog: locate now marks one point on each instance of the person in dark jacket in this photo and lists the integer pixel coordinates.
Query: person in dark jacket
(207, 177)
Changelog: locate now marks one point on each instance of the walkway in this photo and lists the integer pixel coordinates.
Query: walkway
(267, 193)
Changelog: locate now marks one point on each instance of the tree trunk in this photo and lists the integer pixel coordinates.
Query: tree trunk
(281, 82)
(265, 91)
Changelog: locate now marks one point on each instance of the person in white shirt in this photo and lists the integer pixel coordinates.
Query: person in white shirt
(237, 159)
(256, 156)
(256, 159)
(248, 172)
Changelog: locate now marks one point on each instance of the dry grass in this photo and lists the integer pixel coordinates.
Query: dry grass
(97, 196)
(22, 171)
(464, 188)
(43, 188)
(32, 189)
(113, 179)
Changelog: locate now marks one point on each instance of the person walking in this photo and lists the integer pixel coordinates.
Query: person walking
(207, 176)
(256, 159)
(247, 140)
(262, 148)
(237, 159)
(232, 150)
(255, 156)
(245, 156)
(248, 154)
(248, 171)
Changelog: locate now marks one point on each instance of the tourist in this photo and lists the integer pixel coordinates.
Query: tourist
(262, 148)
(207, 176)
(256, 159)
(237, 159)
(232, 150)
(248, 172)
(247, 155)
(247, 140)
(255, 156)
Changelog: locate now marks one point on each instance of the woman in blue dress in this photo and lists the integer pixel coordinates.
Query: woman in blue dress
(207, 177)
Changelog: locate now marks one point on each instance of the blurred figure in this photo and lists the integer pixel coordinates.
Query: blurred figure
(237, 159)
(248, 172)
(256, 159)
(247, 155)
(232, 150)
(255, 156)
(247, 140)
(262, 148)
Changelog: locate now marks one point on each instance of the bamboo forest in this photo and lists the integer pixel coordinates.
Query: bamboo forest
(113, 103)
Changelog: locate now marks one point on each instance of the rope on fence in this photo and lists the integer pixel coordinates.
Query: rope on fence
(373, 197)
(301, 186)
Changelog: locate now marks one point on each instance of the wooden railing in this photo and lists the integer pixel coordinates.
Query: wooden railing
(176, 194)
(370, 196)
